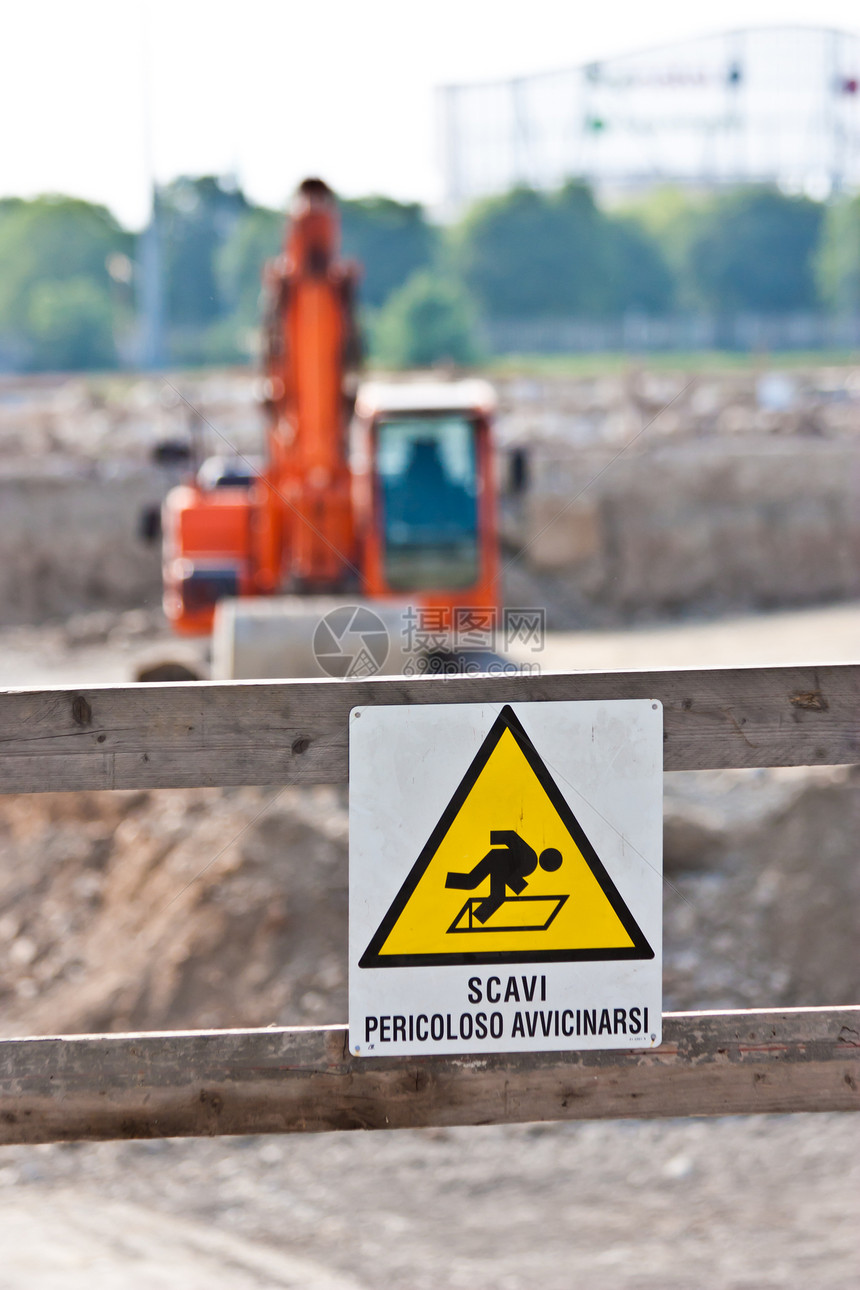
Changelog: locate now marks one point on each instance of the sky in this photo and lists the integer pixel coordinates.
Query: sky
(99, 95)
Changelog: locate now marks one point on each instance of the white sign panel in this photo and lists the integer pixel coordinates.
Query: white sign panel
(505, 878)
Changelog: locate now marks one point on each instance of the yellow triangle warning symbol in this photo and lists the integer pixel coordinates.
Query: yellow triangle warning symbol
(507, 876)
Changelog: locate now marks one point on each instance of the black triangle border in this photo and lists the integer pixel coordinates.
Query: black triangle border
(506, 720)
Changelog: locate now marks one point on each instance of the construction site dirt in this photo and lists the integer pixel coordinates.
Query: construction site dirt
(639, 496)
(211, 908)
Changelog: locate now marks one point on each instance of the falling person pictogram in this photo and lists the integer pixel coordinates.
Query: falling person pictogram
(539, 892)
(508, 865)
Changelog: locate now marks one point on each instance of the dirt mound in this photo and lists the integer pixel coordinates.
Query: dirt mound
(212, 908)
(770, 918)
(173, 909)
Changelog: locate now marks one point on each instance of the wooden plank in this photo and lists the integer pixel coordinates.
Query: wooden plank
(294, 1081)
(295, 732)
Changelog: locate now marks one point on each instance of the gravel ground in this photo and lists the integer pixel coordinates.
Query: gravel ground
(741, 1203)
(106, 647)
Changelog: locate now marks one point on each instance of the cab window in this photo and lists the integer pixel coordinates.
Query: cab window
(428, 480)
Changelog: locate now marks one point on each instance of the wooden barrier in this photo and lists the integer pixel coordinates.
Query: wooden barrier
(186, 736)
(293, 1080)
(285, 1081)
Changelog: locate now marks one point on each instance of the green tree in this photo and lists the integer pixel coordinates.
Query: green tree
(533, 254)
(255, 239)
(837, 260)
(428, 320)
(54, 255)
(754, 248)
(530, 254)
(196, 218)
(638, 277)
(70, 322)
(669, 217)
(390, 240)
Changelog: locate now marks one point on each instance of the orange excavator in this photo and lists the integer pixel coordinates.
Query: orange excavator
(381, 493)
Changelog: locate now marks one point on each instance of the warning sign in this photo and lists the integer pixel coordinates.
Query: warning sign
(541, 892)
(489, 840)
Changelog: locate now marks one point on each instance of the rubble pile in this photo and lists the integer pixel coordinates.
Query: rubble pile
(637, 494)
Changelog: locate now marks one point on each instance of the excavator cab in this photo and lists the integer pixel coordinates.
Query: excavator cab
(425, 495)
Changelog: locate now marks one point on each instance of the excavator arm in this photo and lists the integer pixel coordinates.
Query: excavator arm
(292, 527)
(311, 351)
(405, 514)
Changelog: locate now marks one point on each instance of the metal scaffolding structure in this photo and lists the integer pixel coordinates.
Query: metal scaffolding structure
(766, 105)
